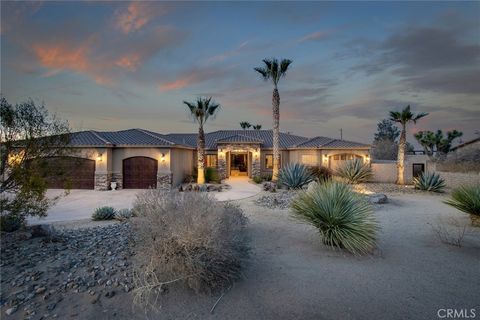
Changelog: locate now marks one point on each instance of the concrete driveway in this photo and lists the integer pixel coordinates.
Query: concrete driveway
(80, 204)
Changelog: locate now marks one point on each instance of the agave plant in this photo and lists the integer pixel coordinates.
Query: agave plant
(429, 181)
(355, 171)
(104, 213)
(467, 199)
(344, 218)
(295, 176)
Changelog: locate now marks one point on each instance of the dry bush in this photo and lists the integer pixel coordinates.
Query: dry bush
(187, 238)
(450, 231)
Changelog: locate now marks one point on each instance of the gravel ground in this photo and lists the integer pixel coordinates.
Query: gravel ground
(83, 273)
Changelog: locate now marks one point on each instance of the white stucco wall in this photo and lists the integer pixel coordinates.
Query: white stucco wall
(181, 164)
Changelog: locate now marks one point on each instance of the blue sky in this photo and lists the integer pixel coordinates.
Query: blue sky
(118, 65)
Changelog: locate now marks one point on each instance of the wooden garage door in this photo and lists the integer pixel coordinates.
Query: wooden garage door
(139, 173)
(70, 172)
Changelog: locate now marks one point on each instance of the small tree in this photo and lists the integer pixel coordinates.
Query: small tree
(29, 136)
(201, 110)
(385, 145)
(403, 118)
(245, 125)
(436, 145)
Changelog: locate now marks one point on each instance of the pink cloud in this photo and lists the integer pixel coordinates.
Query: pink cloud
(194, 76)
(137, 15)
(315, 36)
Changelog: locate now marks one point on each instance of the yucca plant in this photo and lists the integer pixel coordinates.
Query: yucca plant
(295, 176)
(467, 199)
(429, 181)
(104, 213)
(355, 171)
(344, 218)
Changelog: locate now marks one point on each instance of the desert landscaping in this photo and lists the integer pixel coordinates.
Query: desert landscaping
(82, 269)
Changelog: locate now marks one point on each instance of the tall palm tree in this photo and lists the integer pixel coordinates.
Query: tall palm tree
(403, 117)
(257, 127)
(201, 110)
(273, 70)
(245, 125)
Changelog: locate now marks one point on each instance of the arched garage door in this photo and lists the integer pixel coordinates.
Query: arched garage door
(139, 173)
(338, 159)
(70, 172)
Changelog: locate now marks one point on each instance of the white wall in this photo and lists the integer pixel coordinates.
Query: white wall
(181, 165)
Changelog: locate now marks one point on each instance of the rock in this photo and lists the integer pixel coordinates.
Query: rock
(40, 290)
(110, 294)
(11, 310)
(51, 306)
(378, 198)
(95, 299)
(269, 186)
(311, 186)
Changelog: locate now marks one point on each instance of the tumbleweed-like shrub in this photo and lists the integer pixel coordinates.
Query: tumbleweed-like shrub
(295, 176)
(467, 199)
(429, 181)
(354, 171)
(187, 238)
(321, 173)
(343, 218)
(104, 213)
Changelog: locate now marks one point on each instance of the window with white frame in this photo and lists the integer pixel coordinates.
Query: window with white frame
(269, 161)
(211, 161)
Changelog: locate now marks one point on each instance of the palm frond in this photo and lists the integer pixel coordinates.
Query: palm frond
(284, 66)
(263, 72)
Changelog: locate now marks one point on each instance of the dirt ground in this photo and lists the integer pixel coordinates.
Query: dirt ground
(293, 276)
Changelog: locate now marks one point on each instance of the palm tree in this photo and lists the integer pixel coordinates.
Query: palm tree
(201, 110)
(257, 127)
(403, 117)
(273, 70)
(245, 125)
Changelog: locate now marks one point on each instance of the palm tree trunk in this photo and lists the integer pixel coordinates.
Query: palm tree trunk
(401, 157)
(276, 133)
(201, 156)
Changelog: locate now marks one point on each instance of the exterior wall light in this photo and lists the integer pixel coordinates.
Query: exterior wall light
(99, 157)
(163, 157)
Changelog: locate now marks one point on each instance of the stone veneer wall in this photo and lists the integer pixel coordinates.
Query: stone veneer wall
(164, 181)
(222, 161)
(102, 181)
(457, 179)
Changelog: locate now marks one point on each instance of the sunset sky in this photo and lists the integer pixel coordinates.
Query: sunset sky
(120, 65)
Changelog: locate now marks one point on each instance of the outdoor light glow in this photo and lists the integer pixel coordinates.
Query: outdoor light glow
(99, 157)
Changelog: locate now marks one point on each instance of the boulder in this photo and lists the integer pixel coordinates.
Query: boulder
(378, 198)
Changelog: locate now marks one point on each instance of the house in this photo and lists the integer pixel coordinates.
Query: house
(138, 159)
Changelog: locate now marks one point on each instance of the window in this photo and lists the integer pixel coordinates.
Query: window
(211, 160)
(308, 159)
(269, 161)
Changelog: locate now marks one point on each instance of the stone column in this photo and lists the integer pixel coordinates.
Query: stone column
(222, 164)
(118, 178)
(256, 166)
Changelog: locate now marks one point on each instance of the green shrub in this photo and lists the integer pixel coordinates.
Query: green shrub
(104, 213)
(123, 214)
(429, 181)
(267, 177)
(11, 222)
(187, 238)
(355, 171)
(321, 173)
(295, 176)
(466, 199)
(257, 179)
(344, 218)
(211, 175)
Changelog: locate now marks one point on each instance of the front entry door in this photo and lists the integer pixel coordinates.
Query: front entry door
(239, 164)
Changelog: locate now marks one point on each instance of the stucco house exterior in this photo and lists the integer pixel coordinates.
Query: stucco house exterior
(138, 158)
